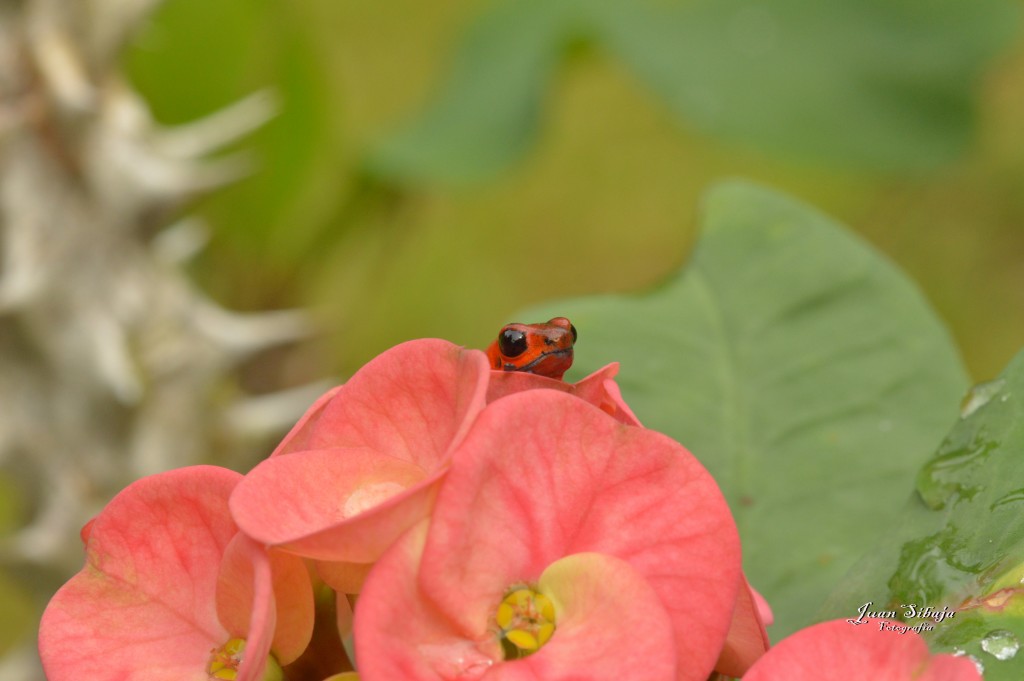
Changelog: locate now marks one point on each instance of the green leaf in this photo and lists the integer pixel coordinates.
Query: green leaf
(877, 84)
(803, 369)
(961, 543)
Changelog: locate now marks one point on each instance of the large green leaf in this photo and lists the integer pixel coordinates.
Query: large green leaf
(803, 369)
(961, 542)
(880, 84)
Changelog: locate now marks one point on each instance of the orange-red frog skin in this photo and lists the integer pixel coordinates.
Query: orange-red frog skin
(542, 349)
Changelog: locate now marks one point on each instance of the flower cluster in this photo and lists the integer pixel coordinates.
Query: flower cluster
(486, 525)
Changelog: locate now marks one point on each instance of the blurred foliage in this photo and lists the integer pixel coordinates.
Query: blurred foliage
(880, 84)
(20, 614)
(12, 506)
(19, 611)
(610, 153)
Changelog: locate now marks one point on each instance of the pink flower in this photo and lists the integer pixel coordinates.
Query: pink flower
(171, 591)
(839, 651)
(747, 639)
(589, 548)
(363, 465)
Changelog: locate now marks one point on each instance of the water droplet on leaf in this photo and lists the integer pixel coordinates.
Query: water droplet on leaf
(1000, 644)
(949, 474)
(929, 567)
(978, 396)
(1008, 498)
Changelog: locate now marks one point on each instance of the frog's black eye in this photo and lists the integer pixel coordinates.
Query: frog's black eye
(573, 330)
(512, 343)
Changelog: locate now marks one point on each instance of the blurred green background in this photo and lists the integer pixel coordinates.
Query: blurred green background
(901, 119)
(436, 167)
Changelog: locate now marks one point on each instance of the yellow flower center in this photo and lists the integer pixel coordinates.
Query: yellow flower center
(224, 661)
(525, 619)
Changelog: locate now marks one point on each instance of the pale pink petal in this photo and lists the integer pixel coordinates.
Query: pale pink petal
(601, 390)
(378, 447)
(294, 605)
(543, 475)
(601, 604)
(297, 438)
(143, 607)
(86, 531)
(401, 635)
(339, 504)
(764, 611)
(235, 584)
(413, 402)
(291, 603)
(840, 651)
(259, 634)
(747, 639)
(610, 626)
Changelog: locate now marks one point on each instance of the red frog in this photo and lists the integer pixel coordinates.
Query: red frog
(542, 349)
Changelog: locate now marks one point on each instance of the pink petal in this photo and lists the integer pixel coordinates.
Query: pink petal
(401, 635)
(601, 604)
(245, 587)
(377, 450)
(599, 389)
(339, 504)
(543, 475)
(610, 625)
(413, 402)
(747, 639)
(143, 607)
(764, 611)
(297, 438)
(294, 605)
(288, 603)
(839, 651)
(86, 531)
